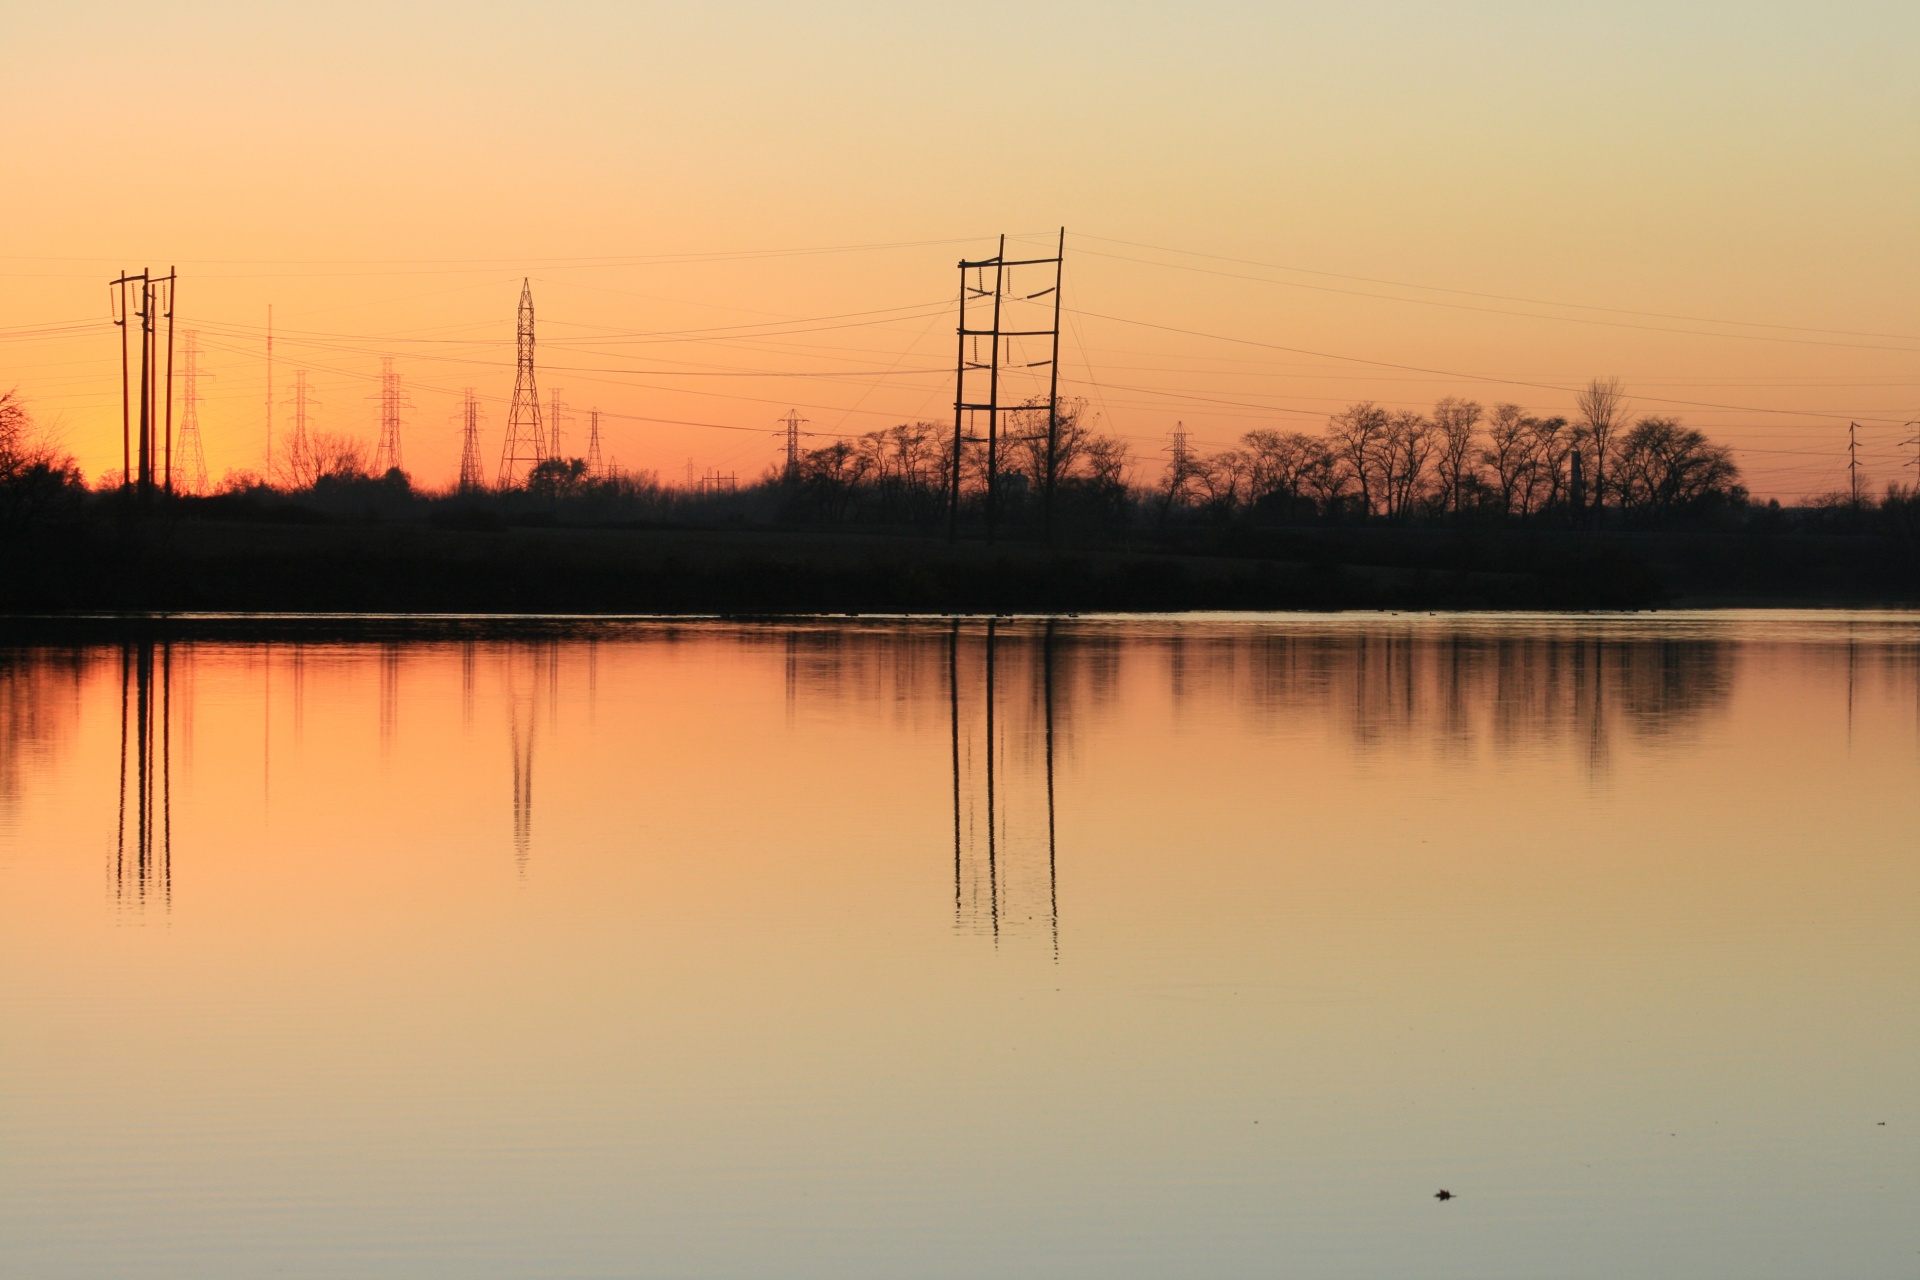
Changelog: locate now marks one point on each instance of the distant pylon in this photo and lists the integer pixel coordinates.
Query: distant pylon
(193, 456)
(386, 457)
(525, 446)
(555, 412)
(1180, 469)
(793, 422)
(299, 450)
(595, 466)
(472, 480)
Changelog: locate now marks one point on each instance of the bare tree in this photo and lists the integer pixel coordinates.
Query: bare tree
(1409, 448)
(1662, 468)
(1278, 463)
(1358, 436)
(1603, 414)
(1456, 420)
(1550, 445)
(1509, 453)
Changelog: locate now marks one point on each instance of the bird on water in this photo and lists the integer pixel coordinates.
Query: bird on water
(1443, 1194)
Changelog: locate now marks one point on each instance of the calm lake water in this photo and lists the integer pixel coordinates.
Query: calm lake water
(1100, 947)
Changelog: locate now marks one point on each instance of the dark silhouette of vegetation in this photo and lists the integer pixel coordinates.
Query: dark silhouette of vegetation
(38, 482)
(1463, 506)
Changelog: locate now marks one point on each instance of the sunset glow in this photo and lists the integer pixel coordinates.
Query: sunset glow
(727, 213)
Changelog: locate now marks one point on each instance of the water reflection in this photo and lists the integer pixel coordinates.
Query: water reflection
(1009, 694)
(533, 691)
(40, 693)
(1001, 703)
(143, 844)
(1608, 926)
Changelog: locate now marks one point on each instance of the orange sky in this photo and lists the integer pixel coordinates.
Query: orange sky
(1715, 204)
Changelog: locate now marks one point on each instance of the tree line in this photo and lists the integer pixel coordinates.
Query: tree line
(1460, 461)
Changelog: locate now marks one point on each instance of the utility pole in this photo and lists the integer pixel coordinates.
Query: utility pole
(525, 448)
(471, 478)
(596, 466)
(193, 457)
(993, 391)
(1053, 417)
(386, 457)
(172, 281)
(121, 316)
(146, 454)
(970, 362)
(269, 473)
(793, 422)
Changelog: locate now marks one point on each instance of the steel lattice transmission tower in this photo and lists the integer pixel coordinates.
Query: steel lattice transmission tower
(300, 461)
(472, 478)
(596, 465)
(792, 422)
(526, 445)
(193, 455)
(386, 457)
(556, 410)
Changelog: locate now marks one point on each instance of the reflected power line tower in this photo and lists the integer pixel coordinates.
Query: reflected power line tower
(143, 847)
(472, 479)
(525, 446)
(193, 454)
(1005, 876)
(387, 456)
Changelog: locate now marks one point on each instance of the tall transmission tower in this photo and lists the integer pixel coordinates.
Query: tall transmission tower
(596, 466)
(472, 480)
(193, 455)
(525, 446)
(269, 461)
(554, 413)
(1853, 460)
(386, 457)
(299, 451)
(971, 361)
(793, 422)
(1182, 463)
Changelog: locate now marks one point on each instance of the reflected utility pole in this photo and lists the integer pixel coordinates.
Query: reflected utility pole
(1007, 805)
(1053, 873)
(143, 846)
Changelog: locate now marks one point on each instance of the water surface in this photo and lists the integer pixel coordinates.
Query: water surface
(1099, 947)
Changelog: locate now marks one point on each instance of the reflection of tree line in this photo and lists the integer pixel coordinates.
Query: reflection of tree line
(39, 712)
(1454, 689)
(1011, 694)
(1457, 690)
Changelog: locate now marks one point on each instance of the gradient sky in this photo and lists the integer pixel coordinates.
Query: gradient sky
(1715, 202)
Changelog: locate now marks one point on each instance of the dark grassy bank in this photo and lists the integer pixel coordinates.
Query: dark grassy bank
(164, 564)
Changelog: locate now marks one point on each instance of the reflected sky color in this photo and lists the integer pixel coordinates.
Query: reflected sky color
(1083, 947)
